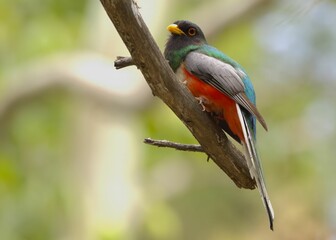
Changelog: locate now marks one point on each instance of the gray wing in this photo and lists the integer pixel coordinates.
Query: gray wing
(224, 77)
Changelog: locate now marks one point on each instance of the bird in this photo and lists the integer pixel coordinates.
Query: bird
(223, 89)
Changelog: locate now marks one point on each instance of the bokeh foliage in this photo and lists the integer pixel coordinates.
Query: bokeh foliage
(287, 48)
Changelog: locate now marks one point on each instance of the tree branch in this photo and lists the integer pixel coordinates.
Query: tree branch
(122, 62)
(177, 146)
(148, 58)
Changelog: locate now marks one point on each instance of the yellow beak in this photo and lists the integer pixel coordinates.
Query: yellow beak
(173, 28)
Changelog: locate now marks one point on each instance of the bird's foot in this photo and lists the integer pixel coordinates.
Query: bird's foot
(201, 101)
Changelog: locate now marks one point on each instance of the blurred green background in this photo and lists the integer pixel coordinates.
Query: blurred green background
(72, 161)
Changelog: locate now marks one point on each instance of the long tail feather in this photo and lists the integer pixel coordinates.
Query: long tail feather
(254, 165)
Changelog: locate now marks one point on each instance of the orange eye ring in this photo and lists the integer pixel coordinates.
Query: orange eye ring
(191, 32)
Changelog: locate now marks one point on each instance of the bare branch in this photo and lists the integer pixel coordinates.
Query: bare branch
(148, 58)
(177, 146)
(122, 62)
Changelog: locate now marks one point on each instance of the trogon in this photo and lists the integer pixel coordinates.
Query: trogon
(223, 89)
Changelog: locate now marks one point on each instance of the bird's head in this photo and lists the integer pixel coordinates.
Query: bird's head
(183, 34)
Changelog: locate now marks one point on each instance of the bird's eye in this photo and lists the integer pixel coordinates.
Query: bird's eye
(191, 31)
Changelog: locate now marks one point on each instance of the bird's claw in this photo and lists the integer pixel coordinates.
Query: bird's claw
(201, 101)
